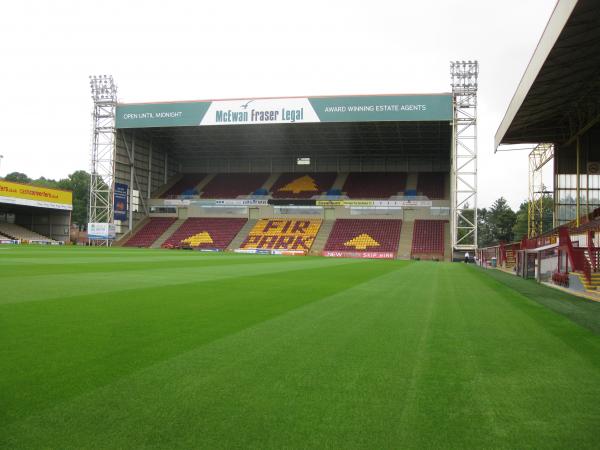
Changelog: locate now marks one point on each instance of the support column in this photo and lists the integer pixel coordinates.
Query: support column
(131, 179)
(577, 193)
(166, 168)
(150, 169)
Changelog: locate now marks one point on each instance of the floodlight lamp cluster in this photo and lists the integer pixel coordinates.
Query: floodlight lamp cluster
(464, 74)
(103, 88)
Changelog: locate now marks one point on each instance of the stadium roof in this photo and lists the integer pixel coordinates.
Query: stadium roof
(308, 139)
(373, 125)
(268, 111)
(559, 93)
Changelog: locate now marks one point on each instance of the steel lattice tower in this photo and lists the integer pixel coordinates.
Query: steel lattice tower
(104, 94)
(464, 76)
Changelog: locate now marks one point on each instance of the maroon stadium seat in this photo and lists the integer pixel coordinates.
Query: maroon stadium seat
(150, 232)
(214, 233)
(302, 185)
(364, 235)
(428, 237)
(187, 183)
(374, 184)
(432, 185)
(225, 185)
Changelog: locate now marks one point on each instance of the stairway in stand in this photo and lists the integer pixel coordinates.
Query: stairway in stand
(207, 179)
(405, 243)
(593, 284)
(321, 238)
(269, 183)
(340, 181)
(237, 241)
(411, 182)
(167, 234)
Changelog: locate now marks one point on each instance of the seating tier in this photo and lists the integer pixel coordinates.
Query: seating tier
(225, 185)
(302, 185)
(432, 185)
(207, 232)
(374, 184)
(150, 232)
(282, 234)
(428, 237)
(185, 186)
(364, 235)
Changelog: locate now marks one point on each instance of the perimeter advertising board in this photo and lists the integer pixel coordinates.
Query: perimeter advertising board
(367, 108)
(369, 255)
(101, 231)
(27, 195)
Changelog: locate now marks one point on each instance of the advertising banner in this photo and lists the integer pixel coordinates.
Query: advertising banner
(370, 255)
(176, 202)
(9, 241)
(24, 194)
(257, 111)
(378, 203)
(235, 202)
(121, 191)
(344, 202)
(101, 231)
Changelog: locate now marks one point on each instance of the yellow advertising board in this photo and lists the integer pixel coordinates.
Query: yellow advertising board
(25, 194)
(344, 202)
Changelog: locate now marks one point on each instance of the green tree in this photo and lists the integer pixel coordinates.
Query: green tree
(17, 177)
(79, 183)
(520, 227)
(45, 182)
(501, 220)
(484, 234)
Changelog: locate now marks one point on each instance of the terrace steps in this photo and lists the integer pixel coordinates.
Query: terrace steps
(340, 181)
(168, 232)
(405, 244)
(207, 179)
(593, 284)
(168, 185)
(270, 182)
(322, 236)
(239, 239)
(411, 181)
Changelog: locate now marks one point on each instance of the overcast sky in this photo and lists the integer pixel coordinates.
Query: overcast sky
(182, 50)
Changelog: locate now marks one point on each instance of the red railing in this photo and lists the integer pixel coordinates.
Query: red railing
(540, 241)
(593, 251)
(561, 278)
(576, 255)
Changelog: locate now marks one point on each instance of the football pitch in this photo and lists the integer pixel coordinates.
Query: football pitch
(135, 348)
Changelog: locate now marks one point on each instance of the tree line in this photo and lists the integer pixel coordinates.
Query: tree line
(500, 223)
(78, 182)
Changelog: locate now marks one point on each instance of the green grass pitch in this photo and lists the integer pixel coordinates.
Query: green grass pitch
(128, 348)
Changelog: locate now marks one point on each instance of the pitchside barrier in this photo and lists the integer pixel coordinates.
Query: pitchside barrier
(370, 255)
(10, 241)
(261, 251)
